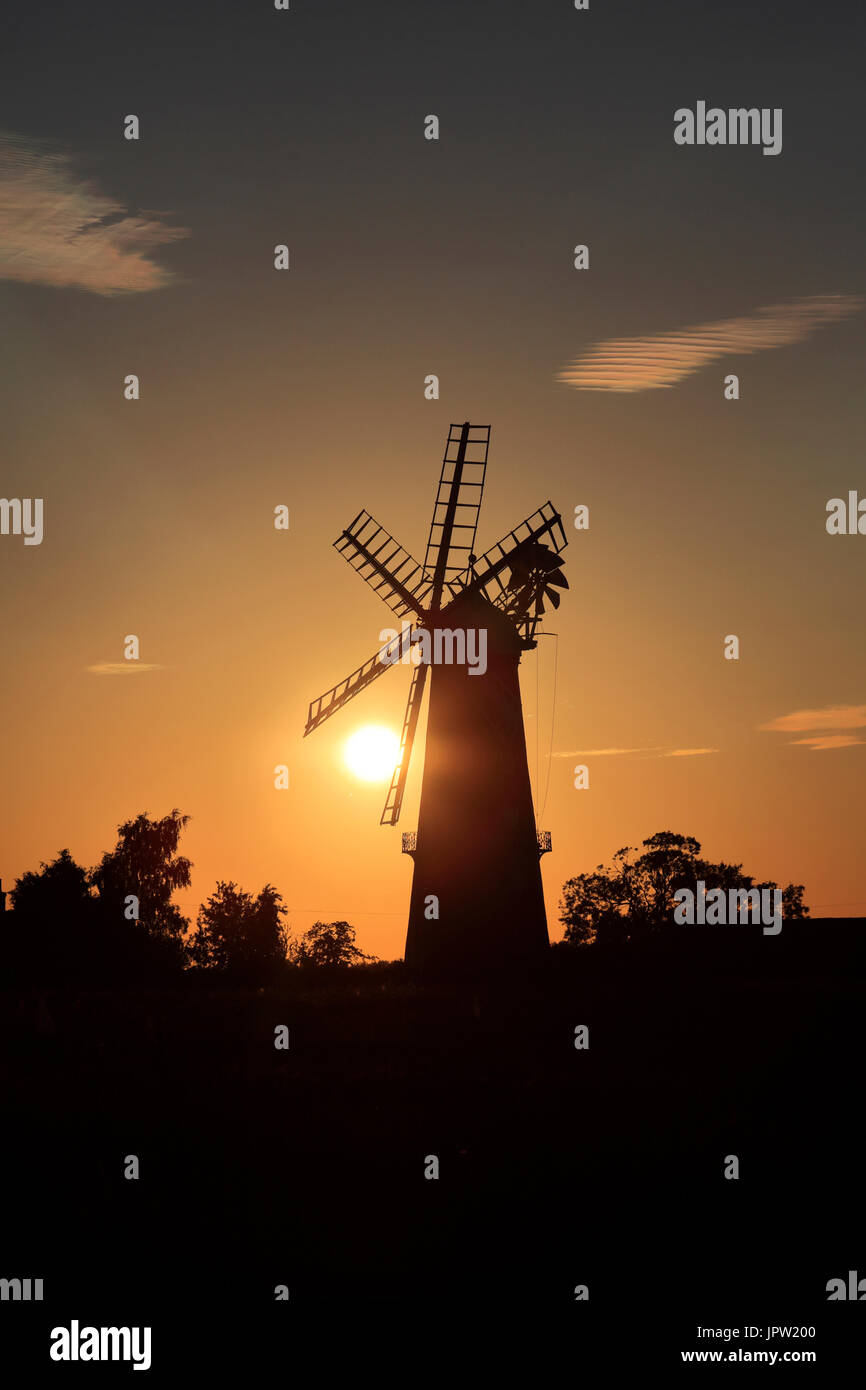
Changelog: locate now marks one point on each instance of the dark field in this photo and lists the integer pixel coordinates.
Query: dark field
(558, 1167)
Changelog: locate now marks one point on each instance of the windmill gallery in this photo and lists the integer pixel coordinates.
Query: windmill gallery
(477, 848)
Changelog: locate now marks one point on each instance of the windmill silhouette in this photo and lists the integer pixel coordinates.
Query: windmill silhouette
(476, 893)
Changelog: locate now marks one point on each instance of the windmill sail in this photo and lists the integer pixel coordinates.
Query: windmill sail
(346, 690)
(394, 801)
(383, 563)
(490, 571)
(453, 528)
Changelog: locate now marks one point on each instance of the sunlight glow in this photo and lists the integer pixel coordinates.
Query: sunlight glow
(372, 752)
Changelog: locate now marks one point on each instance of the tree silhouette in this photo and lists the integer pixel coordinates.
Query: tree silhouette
(59, 892)
(54, 921)
(635, 896)
(327, 944)
(238, 933)
(145, 864)
(793, 907)
(61, 931)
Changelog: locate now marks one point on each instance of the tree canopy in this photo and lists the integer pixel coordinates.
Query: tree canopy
(145, 863)
(239, 933)
(634, 896)
(60, 889)
(327, 944)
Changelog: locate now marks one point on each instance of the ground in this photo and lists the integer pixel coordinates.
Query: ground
(558, 1166)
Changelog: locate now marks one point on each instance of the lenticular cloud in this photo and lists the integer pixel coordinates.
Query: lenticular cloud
(664, 359)
(59, 229)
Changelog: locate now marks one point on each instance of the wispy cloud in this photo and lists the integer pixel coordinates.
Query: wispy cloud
(833, 717)
(122, 668)
(663, 359)
(601, 752)
(658, 752)
(58, 228)
(819, 743)
(818, 720)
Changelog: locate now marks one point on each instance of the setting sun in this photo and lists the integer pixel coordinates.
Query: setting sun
(372, 753)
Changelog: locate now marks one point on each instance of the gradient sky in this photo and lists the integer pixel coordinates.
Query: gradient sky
(411, 257)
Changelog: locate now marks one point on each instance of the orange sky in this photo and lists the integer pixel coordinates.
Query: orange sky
(246, 624)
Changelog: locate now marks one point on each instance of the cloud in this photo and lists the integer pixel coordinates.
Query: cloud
(833, 717)
(819, 743)
(57, 228)
(664, 359)
(122, 668)
(601, 752)
(621, 752)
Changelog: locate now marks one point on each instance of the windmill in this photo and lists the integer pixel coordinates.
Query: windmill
(476, 892)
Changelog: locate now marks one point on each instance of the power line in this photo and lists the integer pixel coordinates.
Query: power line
(862, 903)
(350, 911)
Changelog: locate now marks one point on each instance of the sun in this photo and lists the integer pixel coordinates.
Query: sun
(372, 753)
